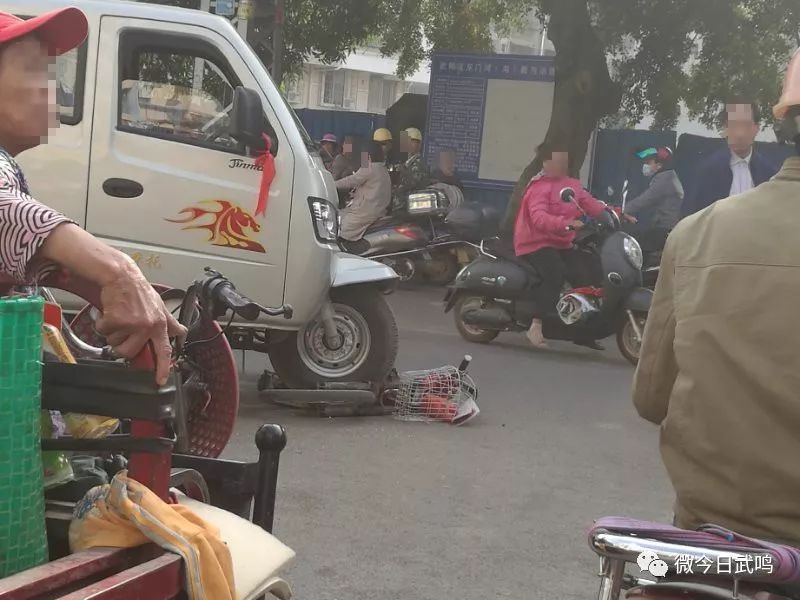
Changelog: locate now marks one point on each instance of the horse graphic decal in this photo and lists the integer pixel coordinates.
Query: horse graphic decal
(226, 226)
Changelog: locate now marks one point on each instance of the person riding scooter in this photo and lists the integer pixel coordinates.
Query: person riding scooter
(545, 231)
(652, 215)
(333, 156)
(372, 195)
(717, 361)
(413, 172)
(34, 239)
(384, 137)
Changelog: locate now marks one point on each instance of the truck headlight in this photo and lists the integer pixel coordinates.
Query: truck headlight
(325, 218)
(633, 252)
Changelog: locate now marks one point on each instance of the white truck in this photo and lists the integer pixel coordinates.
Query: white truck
(163, 112)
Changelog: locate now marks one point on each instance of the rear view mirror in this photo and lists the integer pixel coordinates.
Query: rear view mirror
(567, 195)
(248, 124)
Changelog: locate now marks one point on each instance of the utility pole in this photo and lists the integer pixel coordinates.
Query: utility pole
(277, 42)
(244, 16)
(260, 23)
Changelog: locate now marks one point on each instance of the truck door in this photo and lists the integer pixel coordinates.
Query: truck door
(167, 183)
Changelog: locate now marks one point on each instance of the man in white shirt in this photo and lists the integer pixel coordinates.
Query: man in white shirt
(736, 169)
(741, 131)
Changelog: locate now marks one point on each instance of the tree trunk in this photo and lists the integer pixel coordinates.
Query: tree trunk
(584, 91)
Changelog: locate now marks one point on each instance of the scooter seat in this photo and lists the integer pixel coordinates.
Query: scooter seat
(382, 223)
(785, 559)
(257, 555)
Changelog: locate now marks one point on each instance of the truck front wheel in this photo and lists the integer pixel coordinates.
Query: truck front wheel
(365, 350)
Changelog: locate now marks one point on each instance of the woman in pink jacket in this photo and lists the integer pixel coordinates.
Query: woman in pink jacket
(544, 234)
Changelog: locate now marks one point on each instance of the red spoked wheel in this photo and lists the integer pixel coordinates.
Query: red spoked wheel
(213, 390)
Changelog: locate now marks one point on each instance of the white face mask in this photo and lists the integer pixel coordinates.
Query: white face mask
(647, 170)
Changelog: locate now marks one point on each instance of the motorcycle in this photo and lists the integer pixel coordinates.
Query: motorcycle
(494, 293)
(709, 563)
(413, 240)
(651, 260)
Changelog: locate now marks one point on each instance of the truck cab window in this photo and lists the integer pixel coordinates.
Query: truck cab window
(66, 84)
(177, 96)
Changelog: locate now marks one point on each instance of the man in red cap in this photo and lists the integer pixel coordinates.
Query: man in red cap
(34, 238)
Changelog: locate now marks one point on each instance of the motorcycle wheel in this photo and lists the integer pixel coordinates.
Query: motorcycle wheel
(369, 346)
(470, 332)
(627, 341)
(211, 414)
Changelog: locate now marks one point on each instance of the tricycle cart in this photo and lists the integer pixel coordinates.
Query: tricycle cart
(237, 497)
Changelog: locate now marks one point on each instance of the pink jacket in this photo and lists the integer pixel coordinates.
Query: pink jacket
(543, 217)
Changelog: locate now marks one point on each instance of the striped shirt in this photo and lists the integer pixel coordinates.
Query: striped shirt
(24, 224)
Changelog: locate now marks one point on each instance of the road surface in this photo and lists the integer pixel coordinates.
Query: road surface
(387, 510)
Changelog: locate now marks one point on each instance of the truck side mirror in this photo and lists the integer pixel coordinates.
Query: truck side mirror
(248, 124)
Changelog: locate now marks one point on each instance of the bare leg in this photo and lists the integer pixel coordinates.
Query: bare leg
(535, 336)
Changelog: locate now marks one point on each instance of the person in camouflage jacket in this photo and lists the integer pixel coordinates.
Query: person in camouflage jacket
(413, 173)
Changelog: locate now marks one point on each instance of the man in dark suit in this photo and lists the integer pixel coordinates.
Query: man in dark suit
(736, 169)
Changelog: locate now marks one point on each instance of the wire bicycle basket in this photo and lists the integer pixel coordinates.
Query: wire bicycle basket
(447, 394)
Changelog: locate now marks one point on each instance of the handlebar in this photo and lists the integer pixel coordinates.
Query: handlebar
(214, 294)
(217, 295)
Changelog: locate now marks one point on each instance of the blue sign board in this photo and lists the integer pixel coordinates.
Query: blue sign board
(457, 106)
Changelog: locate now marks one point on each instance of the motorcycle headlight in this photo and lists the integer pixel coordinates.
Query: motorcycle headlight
(325, 218)
(633, 252)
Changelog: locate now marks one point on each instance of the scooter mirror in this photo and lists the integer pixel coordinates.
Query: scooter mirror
(567, 195)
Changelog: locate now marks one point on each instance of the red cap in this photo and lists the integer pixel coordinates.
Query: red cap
(61, 30)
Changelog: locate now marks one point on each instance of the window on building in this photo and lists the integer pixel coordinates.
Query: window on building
(388, 94)
(381, 93)
(374, 104)
(333, 88)
(294, 89)
(352, 96)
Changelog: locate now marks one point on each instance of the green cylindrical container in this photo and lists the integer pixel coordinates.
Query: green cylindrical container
(23, 540)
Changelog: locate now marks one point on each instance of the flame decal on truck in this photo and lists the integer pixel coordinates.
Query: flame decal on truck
(227, 225)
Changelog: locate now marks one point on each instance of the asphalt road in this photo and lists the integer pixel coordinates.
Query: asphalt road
(382, 509)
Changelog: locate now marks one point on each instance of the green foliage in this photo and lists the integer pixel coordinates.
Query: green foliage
(327, 30)
(701, 53)
(661, 52)
(413, 29)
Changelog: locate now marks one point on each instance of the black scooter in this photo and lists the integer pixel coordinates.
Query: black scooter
(495, 292)
(652, 260)
(413, 240)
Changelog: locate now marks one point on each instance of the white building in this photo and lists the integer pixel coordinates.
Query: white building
(366, 81)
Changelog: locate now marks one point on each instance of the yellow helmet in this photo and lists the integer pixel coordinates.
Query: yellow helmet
(382, 135)
(414, 134)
